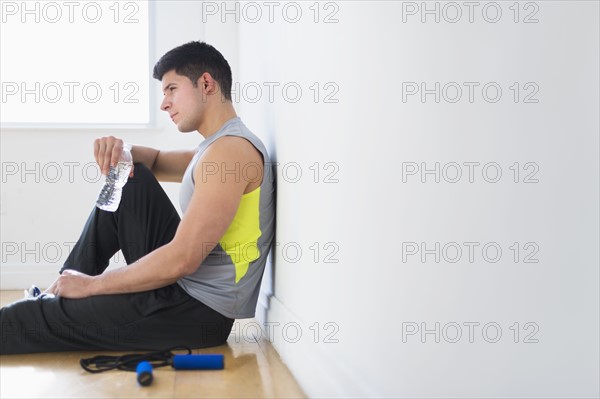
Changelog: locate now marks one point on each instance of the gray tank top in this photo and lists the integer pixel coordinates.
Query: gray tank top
(228, 280)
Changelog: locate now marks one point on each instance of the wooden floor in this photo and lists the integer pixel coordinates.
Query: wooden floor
(252, 369)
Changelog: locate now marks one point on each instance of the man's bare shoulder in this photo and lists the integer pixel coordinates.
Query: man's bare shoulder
(232, 158)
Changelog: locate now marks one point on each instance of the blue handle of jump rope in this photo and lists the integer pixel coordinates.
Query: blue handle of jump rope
(144, 373)
(198, 362)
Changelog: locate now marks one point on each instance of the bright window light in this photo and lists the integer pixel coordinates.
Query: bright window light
(74, 63)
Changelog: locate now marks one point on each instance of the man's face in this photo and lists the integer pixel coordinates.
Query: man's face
(184, 102)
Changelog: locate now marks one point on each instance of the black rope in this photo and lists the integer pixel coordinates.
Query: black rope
(129, 362)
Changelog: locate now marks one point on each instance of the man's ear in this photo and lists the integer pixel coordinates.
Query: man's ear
(206, 82)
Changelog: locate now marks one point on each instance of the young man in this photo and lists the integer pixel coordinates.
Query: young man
(186, 280)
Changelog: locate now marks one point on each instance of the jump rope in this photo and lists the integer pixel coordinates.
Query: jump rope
(144, 363)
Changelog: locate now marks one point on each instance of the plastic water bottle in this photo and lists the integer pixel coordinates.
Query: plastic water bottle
(110, 195)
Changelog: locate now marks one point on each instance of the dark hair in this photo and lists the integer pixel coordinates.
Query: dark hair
(192, 60)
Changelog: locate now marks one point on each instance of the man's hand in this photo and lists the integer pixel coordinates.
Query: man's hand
(107, 151)
(72, 284)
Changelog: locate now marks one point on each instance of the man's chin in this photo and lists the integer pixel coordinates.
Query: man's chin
(185, 129)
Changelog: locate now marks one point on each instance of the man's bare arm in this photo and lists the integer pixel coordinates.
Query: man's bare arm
(166, 165)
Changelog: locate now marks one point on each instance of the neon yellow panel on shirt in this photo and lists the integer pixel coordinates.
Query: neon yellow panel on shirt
(240, 241)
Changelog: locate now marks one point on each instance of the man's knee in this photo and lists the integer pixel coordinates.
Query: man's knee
(142, 180)
(141, 173)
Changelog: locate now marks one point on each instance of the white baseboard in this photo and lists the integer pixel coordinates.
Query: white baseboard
(316, 369)
(20, 277)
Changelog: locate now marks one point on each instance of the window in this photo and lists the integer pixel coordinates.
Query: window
(74, 63)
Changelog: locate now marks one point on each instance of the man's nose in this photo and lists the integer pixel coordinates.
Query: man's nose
(166, 104)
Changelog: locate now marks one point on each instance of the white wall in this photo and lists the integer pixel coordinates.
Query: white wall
(363, 302)
(370, 295)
